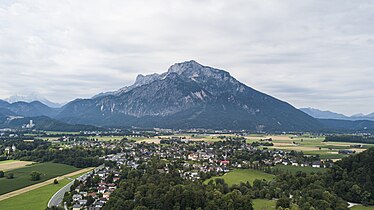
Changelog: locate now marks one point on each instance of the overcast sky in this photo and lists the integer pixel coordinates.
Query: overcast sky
(309, 53)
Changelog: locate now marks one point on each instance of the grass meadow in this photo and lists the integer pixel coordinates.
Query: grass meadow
(22, 175)
(242, 175)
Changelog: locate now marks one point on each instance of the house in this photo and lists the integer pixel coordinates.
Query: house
(317, 164)
(346, 152)
(84, 194)
(77, 207)
(101, 174)
(295, 164)
(82, 202)
(225, 162)
(101, 190)
(112, 186)
(193, 157)
(77, 197)
(106, 195)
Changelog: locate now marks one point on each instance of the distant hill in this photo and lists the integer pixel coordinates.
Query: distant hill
(316, 113)
(32, 97)
(46, 123)
(347, 125)
(17, 114)
(32, 109)
(3, 103)
(188, 95)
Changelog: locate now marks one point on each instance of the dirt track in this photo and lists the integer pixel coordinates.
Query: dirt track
(14, 165)
(36, 186)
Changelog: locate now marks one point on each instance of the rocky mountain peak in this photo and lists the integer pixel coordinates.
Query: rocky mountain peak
(180, 68)
(145, 79)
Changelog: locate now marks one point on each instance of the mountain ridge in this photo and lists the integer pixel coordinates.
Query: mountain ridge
(204, 96)
(320, 114)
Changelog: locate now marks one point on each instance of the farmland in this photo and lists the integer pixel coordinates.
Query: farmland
(263, 204)
(22, 175)
(243, 175)
(13, 164)
(34, 199)
(294, 169)
(359, 207)
(309, 145)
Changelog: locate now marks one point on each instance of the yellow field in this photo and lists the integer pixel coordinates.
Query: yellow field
(10, 165)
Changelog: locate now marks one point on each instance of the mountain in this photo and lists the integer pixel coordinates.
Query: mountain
(32, 97)
(3, 103)
(46, 124)
(316, 113)
(188, 95)
(347, 125)
(32, 109)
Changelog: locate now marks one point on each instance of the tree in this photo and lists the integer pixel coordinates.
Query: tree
(55, 181)
(1, 174)
(35, 176)
(9, 175)
(283, 202)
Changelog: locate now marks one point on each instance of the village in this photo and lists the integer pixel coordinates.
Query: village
(196, 160)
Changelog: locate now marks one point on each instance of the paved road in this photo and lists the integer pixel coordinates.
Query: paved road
(38, 185)
(57, 198)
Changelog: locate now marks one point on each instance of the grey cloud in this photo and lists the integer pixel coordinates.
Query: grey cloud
(309, 53)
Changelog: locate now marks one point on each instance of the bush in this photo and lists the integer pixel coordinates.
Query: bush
(283, 202)
(35, 176)
(2, 174)
(9, 175)
(55, 181)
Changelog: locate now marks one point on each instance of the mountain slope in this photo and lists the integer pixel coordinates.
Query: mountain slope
(46, 124)
(316, 113)
(3, 104)
(30, 98)
(189, 95)
(32, 109)
(347, 125)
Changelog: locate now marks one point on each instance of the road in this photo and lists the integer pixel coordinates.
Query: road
(57, 198)
(36, 186)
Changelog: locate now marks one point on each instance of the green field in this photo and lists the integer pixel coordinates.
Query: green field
(308, 144)
(34, 199)
(262, 204)
(107, 138)
(242, 175)
(362, 208)
(294, 169)
(22, 175)
(61, 132)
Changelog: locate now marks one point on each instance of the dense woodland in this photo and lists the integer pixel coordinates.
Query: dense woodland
(353, 177)
(351, 138)
(77, 157)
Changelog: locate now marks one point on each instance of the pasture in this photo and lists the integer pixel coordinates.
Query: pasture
(359, 207)
(309, 145)
(294, 169)
(242, 175)
(34, 199)
(263, 204)
(22, 175)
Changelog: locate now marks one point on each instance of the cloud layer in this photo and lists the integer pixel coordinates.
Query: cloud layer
(309, 53)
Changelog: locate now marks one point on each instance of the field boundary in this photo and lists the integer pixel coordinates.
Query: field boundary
(38, 185)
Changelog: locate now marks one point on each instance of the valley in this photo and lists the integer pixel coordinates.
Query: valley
(201, 157)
